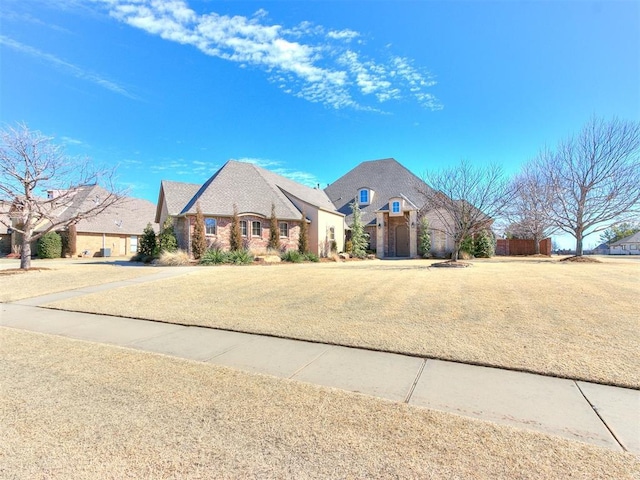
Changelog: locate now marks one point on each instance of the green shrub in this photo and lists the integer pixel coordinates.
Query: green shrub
(359, 238)
(167, 241)
(311, 257)
(50, 245)
(235, 235)
(148, 246)
(214, 257)
(293, 256)
(424, 238)
(240, 257)
(484, 245)
(467, 247)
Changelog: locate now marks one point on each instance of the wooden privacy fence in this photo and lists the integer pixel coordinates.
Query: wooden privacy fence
(517, 246)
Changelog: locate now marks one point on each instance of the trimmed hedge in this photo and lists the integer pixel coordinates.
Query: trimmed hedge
(50, 245)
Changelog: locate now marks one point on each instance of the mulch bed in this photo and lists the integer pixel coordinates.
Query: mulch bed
(451, 264)
(581, 259)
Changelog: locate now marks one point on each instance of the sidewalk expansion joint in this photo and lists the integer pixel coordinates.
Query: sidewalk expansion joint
(593, 407)
(310, 362)
(415, 382)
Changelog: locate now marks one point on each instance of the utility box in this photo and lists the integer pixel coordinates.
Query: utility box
(105, 252)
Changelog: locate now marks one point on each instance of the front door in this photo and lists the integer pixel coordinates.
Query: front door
(402, 241)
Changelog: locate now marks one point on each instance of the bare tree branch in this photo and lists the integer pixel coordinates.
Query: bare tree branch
(595, 176)
(466, 199)
(30, 164)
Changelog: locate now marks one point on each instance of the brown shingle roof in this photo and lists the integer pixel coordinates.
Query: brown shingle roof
(387, 178)
(251, 188)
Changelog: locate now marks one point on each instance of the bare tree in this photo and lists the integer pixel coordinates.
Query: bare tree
(30, 163)
(466, 199)
(530, 208)
(596, 177)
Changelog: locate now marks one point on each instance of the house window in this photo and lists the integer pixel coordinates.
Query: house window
(395, 207)
(256, 229)
(332, 234)
(210, 226)
(284, 229)
(364, 196)
(243, 227)
(133, 245)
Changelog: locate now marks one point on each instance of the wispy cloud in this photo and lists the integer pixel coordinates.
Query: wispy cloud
(307, 60)
(66, 66)
(305, 178)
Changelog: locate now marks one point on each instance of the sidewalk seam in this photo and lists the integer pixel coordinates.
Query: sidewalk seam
(309, 362)
(595, 410)
(415, 382)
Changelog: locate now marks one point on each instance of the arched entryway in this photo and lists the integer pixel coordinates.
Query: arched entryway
(402, 241)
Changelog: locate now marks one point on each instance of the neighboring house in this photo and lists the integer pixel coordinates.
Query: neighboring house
(252, 191)
(602, 249)
(627, 246)
(5, 236)
(391, 200)
(113, 232)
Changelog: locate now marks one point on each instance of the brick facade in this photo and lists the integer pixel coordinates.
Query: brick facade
(256, 244)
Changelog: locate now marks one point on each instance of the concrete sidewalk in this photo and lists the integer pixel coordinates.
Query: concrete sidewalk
(601, 415)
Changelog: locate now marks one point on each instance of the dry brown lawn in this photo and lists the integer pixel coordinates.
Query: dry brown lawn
(46, 278)
(575, 320)
(72, 409)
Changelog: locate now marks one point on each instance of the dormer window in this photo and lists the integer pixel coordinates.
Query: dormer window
(396, 206)
(364, 196)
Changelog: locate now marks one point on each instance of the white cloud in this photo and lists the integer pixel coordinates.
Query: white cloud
(345, 34)
(66, 66)
(304, 60)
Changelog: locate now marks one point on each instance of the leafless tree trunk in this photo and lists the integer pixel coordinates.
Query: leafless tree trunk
(31, 165)
(466, 199)
(595, 176)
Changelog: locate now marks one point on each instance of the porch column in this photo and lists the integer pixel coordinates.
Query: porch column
(413, 234)
(380, 234)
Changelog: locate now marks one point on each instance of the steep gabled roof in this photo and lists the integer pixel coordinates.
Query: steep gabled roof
(635, 238)
(175, 195)
(252, 189)
(387, 178)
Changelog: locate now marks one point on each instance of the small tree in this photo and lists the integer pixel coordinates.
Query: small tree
(484, 246)
(303, 239)
(466, 199)
(148, 246)
(199, 240)
(235, 235)
(50, 245)
(274, 231)
(167, 241)
(530, 208)
(424, 239)
(31, 163)
(359, 238)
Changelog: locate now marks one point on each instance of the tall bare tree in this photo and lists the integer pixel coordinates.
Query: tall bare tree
(530, 209)
(596, 177)
(31, 165)
(466, 199)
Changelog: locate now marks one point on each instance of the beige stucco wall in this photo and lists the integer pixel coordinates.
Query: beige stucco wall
(120, 245)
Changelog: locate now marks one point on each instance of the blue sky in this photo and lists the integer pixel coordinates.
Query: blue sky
(173, 89)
